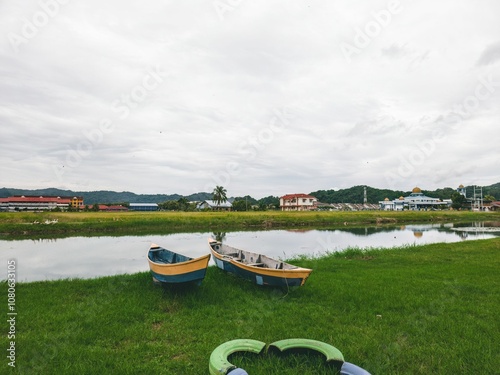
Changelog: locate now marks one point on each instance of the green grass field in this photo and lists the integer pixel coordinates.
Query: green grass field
(430, 309)
(28, 224)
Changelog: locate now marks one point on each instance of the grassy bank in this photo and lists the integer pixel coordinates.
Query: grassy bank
(15, 225)
(415, 310)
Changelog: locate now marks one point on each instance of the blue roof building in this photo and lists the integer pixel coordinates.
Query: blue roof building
(143, 206)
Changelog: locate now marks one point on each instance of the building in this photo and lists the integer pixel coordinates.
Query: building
(415, 201)
(40, 203)
(461, 190)
(494, 206)
(394, 205)
(214, 206)
(143, 206)
(298, 202)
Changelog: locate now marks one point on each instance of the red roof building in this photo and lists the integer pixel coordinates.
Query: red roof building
(39, 203)
(298, 202)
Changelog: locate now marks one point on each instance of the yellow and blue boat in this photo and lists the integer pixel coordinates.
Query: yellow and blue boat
(256, 267)
(169, 267)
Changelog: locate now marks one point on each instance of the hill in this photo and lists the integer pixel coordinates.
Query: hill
(105, 196)
(374, 195)
(350, 195)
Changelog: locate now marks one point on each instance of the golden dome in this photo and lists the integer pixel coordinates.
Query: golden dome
(386, 199)
(461, 186)
(416, 190)
(401, 198)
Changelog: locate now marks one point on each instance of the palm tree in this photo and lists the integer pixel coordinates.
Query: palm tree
(219, 195)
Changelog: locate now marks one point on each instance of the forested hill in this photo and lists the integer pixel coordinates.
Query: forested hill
(351, 195)
(374, 195)
(105, 196)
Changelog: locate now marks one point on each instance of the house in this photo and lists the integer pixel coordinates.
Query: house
(493, 206)
(298, 202)
(214, 206)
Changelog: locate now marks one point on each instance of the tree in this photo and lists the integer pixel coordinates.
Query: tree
(458, 201)
(269, 202)
(219, 195)
(169, 206)
(183, 204)
(490, 198)
(239, 205)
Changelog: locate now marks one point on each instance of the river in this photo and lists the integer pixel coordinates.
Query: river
(88, 257)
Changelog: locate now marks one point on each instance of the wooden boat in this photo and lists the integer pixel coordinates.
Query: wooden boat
(257, 268)
(168, 267)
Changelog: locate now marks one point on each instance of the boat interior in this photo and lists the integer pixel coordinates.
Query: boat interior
(166, 257)
(257, 260)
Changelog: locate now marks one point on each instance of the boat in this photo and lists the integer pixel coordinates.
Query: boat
(168, 267)
(256, 267)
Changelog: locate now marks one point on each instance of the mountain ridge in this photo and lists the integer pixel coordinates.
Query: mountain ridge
(350, 195)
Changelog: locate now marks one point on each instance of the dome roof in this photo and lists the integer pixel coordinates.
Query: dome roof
(416, 189)
(401, 198)
(461, 186)
(386, 199)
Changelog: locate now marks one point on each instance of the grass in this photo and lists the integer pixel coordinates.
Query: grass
(412, 310)
(31, 225)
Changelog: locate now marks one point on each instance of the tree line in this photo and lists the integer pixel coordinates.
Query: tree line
(177, 202)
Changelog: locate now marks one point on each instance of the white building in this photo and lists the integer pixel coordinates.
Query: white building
(39, 203)
(415, 201)
(213, 205)
(298, 202)
(462, 190)
(395, 205)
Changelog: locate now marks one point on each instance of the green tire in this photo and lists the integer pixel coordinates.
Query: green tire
(219, 364)
(331, 353)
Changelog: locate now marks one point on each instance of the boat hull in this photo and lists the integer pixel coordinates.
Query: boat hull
(259, 275)
(188, 270)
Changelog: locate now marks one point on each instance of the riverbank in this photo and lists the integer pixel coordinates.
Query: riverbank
(47, 224)
(413, 310)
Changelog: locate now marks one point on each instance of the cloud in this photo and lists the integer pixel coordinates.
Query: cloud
(490, 55)
(262, 99)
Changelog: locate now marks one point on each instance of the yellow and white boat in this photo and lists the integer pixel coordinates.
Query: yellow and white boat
(169, 267)
(257, 268)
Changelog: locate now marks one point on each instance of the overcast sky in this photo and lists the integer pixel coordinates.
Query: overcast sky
(261, 97)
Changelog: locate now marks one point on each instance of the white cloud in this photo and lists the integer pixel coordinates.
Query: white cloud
(79, 111)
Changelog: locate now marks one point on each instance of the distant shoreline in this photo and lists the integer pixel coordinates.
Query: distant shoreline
(28, 225)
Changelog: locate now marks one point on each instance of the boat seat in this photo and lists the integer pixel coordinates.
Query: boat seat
(255, 264)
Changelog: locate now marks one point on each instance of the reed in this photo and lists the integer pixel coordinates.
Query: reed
(411, 310)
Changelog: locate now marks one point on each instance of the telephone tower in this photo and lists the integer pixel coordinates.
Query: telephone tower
(477, 198)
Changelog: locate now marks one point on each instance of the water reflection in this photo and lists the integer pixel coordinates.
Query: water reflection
(87, 257)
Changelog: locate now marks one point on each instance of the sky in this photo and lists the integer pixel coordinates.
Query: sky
(260, 97)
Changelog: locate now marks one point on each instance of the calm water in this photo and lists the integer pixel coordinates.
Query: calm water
(87, 257)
